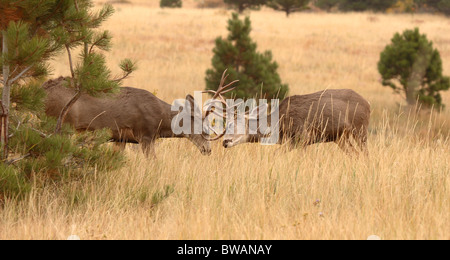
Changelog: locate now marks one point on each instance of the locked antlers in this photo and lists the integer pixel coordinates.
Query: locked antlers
(218, 98)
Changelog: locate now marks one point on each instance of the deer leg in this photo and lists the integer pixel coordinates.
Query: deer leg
(286, 146)
(148, 147)
(361, 140)
(346, 145)
(120, 146)
(291, 144)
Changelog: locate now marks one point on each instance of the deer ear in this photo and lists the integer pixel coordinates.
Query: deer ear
(258, 112)
(190, 98)
(195, 110)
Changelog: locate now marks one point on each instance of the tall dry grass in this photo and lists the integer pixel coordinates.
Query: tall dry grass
(252, 191)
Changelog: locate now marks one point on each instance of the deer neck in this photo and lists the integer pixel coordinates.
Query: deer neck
(165, 129)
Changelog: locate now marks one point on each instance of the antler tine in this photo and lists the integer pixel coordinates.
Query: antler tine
(216, 101)
(222, 81)
(221, 115)
(223, 90)
(211, 105)
(209, 91)
(229, 85)
(229, 90)
(218, 95)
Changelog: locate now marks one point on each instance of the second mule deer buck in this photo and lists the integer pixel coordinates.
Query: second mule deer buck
(133, 115)
(325, 116)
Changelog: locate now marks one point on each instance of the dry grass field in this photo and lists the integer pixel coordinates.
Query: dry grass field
(253, 191)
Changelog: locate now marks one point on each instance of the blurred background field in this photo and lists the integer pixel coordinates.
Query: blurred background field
(251, 191)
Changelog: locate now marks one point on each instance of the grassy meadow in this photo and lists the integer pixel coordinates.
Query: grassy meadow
(256, 192)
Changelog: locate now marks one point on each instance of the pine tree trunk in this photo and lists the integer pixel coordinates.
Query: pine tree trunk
(241, 8)
(4, 124)
(411, 89)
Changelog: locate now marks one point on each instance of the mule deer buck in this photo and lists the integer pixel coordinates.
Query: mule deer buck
(325, 116)
(133, 115)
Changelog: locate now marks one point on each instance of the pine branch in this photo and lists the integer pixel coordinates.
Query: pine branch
(13, 161)
(15, 70)
(65, 111)
(70, 61)
(41, 134)
(4, 53)
(102, 42)
(123, 77)
(127, 67)
(17, 2)
(76, 5)
(102, 16)
(20, 74)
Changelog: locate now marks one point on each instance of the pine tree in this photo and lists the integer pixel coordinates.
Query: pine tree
(288, 6)
(411, 65)
(171, 3)
(241, 5)
(444, 7)
(327, 4)
(25, 50)
(32, 32)
(255, 71)
(363, 5)
(408, 6)
(90, 75)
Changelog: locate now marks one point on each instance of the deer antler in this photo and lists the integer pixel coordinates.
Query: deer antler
(218, 95)
(222, 89)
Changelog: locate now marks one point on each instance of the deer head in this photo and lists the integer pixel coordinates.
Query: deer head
(244, 131)
(202, 143)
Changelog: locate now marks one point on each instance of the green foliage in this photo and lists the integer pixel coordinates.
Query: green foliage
(127, 66)
(256, 72)
(91, 75)
(444, 7)
(28, 53)
(410, 6)
(327, 4)
(411, 65)
(58, 154)
(170, 3)
(363, 5)
(441, 6)
(13, 183)
(28, 97)
(36, 31)
(94, 76)
(402, 6)
(241, 5)
(288, 6)
(160, 196)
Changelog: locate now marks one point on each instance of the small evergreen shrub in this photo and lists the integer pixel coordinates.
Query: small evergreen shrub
(170, 3)
(256, 72)
(412, 66)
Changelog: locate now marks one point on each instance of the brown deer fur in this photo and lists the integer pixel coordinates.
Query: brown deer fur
(325, 116)
(133, 115)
